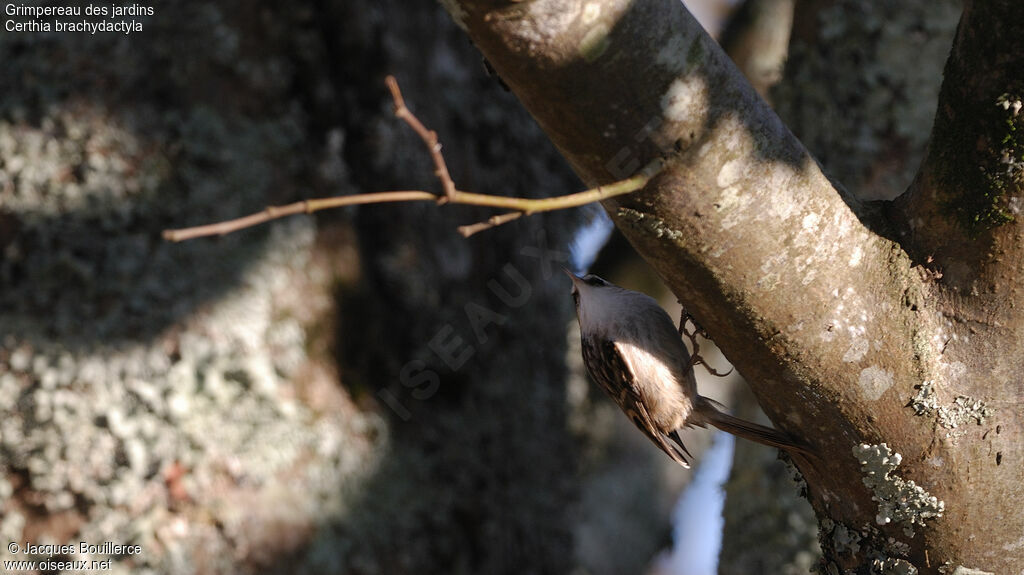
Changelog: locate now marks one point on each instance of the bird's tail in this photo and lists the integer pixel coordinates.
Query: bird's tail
(747, 429)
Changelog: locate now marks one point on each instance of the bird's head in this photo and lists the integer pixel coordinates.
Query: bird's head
(585, 285)
(590, 293)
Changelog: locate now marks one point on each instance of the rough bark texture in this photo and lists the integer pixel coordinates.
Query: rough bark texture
(149, 391)
(769, 527)
(808, 292)
(186, 397)
(461, 340)
(860, 87)
(961, 219)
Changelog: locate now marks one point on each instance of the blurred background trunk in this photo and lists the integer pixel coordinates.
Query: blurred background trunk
(357, 392)
(363, 391)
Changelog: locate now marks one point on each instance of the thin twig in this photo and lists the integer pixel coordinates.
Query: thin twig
(491, 222)
(695, 357)
(429, 138)
(303, 207)
(519, 206)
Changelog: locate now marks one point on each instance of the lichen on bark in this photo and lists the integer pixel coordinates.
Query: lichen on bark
(899, 500)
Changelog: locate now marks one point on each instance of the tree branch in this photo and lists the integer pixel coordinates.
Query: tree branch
(522, 206)
(961, 219)
(965, 201)
(811, 305)
(429, 138)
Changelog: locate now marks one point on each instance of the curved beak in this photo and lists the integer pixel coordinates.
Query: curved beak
(571, 275)
(575, 284)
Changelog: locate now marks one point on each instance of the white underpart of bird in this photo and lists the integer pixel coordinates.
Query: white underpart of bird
(633, 350)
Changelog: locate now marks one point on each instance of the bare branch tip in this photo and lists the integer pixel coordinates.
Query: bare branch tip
(396, 93)
(473, 229)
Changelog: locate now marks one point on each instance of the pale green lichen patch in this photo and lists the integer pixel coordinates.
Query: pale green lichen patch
(649, 224)
(899, 500)
(892, 566)
(686, 100)
(950, 569)
(595, 42)
(980, 187)
(963, 409)
(874, 381)
(885, 556)
(1003, 171)
(1010, 169)
(843, 539)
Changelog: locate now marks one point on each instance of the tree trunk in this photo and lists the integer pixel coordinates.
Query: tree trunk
(185, 397)
(872, 70)
(460, 342)
(852, 337)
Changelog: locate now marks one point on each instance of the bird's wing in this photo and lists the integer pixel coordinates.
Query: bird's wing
(622, 386)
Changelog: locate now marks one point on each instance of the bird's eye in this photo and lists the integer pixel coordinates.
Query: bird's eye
(593, 280)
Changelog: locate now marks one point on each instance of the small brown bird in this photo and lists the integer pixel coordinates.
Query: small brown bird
(632, 349)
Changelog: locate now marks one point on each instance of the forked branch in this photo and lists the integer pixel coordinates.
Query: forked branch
(451, 195)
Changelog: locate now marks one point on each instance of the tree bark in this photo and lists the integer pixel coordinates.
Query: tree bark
(222, 402)
(769, 526)
(807, 290)
(459, 342)
(860, 87)
(756, 38)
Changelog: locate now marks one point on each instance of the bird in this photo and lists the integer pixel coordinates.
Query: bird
(632, 350)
